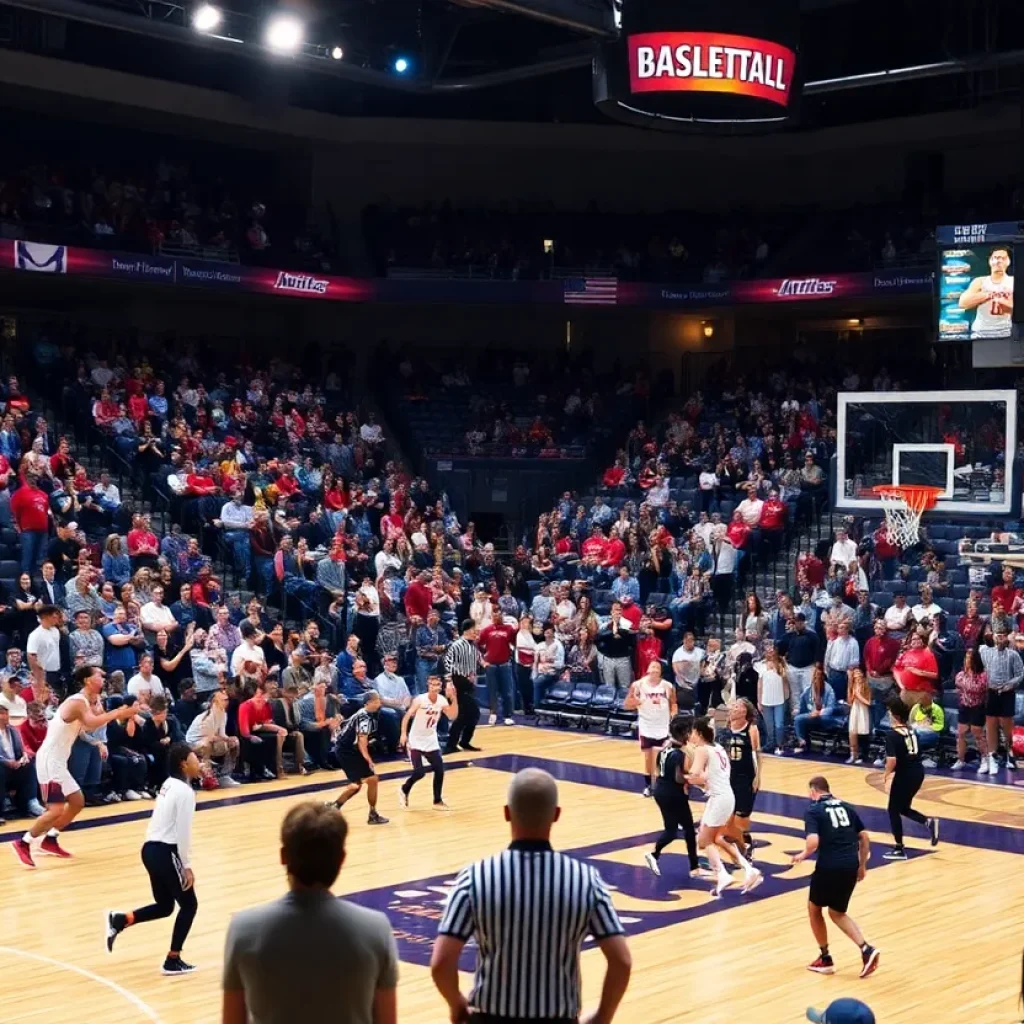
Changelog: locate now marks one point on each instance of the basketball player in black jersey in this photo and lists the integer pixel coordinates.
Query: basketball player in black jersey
(836, 833)
(741, 740)
(670, 794)
(903, 766)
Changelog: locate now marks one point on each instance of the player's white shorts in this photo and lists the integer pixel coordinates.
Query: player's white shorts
(718, 810)
(56, 783)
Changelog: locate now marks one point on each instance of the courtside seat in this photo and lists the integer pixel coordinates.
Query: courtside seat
(554, 702)
(578, 704)
(601, 706)
(831, 731)
(10, 570)
(621, 720)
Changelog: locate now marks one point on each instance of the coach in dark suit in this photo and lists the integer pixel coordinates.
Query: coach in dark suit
(51, 589)
(17, 771)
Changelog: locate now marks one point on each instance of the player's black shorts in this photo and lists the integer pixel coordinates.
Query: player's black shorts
(971, 716)
(1000, 704)
(353, 764)
(743, 790)
(833, 887)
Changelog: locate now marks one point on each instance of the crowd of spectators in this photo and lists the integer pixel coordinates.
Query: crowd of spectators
(153, 195)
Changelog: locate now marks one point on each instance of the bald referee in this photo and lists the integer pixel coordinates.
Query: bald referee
(529, 909)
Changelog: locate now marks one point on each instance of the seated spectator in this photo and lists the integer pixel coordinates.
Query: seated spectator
(17, 770)
(85, 642)
(898, 616)
(817, 706)
(916, 671)
(926, 609)
(548, 664)
(117, 566)
(321, 718)
(123, 642)
(262, 741)
(160, 730)
(248, 658)
(155, 616)
(187, 707)
(927, 719)
(145, 681)
(395, 701)
(288, 715)
(844, 550)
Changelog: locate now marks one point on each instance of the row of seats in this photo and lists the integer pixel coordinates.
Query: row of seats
(585, 704)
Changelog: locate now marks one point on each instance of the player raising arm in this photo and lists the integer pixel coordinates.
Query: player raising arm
(419, 733)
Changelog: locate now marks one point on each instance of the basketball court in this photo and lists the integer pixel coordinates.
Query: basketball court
(947, 920)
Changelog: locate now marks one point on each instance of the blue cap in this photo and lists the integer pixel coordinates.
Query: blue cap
(842, 1011)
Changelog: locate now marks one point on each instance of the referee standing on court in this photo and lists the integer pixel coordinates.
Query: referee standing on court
(461, 662)
(529, 910)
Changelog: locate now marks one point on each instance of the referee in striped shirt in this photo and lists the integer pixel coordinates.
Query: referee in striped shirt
(529, 909)
(461, 663)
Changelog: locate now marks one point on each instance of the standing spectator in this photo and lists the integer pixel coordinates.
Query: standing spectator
(916, 671)
(841, 655)
(1005, 671)
(772, 697)
(686, 665)
(497, 641)
(30, 511)
(43, 646)
(880, 654)
(616, 646)
(972, 690)
(291, 948)
(844, 550)
(494, 901)
(431, 643)
(799, 647)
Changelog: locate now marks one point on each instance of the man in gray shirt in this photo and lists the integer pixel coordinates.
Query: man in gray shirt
(1005, 670)
(337, 959)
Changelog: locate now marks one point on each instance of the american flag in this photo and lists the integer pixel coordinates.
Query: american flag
(591, 291)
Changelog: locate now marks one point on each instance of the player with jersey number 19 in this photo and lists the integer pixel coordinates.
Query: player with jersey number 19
(419, 734)
(654, 701)
(61, 795)
(836, 834)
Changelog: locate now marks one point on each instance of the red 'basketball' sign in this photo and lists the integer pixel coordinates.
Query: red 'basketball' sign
(710, 62)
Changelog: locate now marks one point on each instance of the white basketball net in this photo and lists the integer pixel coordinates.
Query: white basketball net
(902, 522)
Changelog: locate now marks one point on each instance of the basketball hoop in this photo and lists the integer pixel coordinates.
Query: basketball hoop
(904, 505)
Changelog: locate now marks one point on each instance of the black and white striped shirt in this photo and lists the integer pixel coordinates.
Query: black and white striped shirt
(529, 909)
(462, 659)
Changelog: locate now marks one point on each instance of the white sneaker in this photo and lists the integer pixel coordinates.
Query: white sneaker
(958, 766)
(510, 721)
(492, 719)
(850, 760)
(652, 863)
(880, 763)
(403, 798)
(723, 883)
(130, 794)
(930, 762)
(111, 798)
(441, 806)
(753, 879)
(993, 766)
(983, 766)
(226, 782)
(778, 751)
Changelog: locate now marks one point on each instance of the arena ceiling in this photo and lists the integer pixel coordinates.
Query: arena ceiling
(521, 59)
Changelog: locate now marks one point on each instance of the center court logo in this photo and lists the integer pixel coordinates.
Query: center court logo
(643, 901)
(301, 283)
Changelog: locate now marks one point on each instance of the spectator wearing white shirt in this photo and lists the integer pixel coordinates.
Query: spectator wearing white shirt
(154, 615)
(898, 615)
(844, 550)
(145, 680)
(107, 493)
(548, 664)
(750, 509)
(927, 608)
(248, 651)
(370, 431)
(708, 483)
(386, 558)
(686, 664)
(237, 522)
(658, 495)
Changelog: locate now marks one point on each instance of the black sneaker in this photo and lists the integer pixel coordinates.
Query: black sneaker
(1011, 763)
(896, 853)
(174, 966)
(869, 958)
(376, 819)
(115, 925)
(470, 747)
(933, 828)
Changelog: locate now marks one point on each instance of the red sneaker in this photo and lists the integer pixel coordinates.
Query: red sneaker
(823, 965)
(52, 847)
(23, 852)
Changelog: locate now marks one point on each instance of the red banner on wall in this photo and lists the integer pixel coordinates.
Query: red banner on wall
(710, 62)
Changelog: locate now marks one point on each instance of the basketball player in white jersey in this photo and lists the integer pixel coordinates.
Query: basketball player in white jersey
(419, 734)
(61, 795)
(991, 297)
(654, 701)
(710, 771)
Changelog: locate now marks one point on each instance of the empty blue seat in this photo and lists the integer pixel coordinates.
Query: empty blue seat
(581, 696)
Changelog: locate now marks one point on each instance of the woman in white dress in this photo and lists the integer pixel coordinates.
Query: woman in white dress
(858, 696)
(654, 701)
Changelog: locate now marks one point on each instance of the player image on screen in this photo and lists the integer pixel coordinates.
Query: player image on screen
(991, 297)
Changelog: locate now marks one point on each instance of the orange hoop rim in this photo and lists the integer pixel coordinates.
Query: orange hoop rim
(917, 496)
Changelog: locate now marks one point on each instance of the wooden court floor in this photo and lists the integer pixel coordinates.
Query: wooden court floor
(949, 922)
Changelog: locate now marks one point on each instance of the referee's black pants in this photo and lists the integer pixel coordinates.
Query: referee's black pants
(675, 811)
(436, 762)
(461, 732)
(905, 784)
(167, 878)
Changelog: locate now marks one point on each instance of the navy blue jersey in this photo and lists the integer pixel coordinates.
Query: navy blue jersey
(837, 826)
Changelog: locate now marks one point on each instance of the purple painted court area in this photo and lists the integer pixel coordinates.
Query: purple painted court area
(414, 908)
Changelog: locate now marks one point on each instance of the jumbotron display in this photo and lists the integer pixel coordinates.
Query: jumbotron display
(701, 64)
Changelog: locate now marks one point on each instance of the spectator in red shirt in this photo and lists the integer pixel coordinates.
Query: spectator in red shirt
(880, 653)
(142, 544)
(419, 598)
(497, 641)
(971, 625)
(738, 532)
(33, 729)
(772, 523)
(810, 572)
(631, 611)
(1007, 593)
(30, 510)
(595, 546)
(916, 671)
(648, 647)
(615, 476)
(614, 553)
(262, 740)
(886, 552)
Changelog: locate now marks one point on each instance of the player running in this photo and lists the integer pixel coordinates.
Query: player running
(60, 793)
(741, 740)
(836, 833)
(352, 750)
(419, 733)
(166, 855)
(670, 794)
(654, 701)
(903, 766)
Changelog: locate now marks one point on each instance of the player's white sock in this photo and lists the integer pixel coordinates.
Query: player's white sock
(52, 834)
